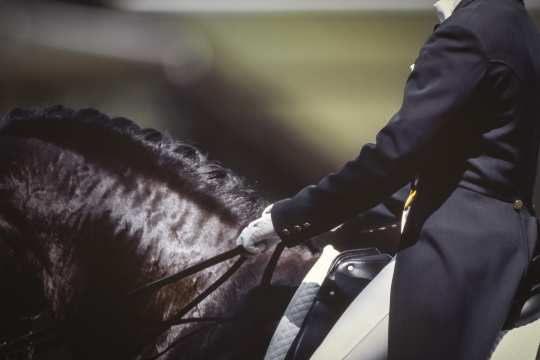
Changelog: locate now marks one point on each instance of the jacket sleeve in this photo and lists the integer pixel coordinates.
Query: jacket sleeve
(447, 73)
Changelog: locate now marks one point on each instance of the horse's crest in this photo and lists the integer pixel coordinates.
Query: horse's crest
(92, 207)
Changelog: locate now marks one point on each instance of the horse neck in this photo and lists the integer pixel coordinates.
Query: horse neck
(98, 234)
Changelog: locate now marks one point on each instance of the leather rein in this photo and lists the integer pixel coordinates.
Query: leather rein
(38, 337)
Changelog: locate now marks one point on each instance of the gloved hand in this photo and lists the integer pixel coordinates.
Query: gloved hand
(259, 235)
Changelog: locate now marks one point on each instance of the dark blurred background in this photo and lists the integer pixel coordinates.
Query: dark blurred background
(282, 91)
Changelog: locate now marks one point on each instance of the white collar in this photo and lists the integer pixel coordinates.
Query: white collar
(445, 8)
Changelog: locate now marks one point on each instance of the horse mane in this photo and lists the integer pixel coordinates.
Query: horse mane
(97, 205)
(98, 252)
(182, 166)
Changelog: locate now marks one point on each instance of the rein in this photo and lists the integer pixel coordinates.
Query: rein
(178, 318)
(31, 338)
(193, 269)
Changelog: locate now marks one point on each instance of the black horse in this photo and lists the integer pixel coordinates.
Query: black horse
(91, 208)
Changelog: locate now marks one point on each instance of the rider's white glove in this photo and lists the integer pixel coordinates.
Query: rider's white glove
(259, 235)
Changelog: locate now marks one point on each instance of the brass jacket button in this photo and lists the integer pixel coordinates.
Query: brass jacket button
(518, 204)
(286, 232)
(297, 228)
(306, 225)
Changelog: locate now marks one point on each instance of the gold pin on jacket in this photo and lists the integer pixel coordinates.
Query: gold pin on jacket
(410, 199)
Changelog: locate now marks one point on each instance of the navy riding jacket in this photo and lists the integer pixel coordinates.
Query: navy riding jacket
(468, 131)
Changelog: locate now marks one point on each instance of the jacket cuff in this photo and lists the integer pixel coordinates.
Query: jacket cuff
(291, 229)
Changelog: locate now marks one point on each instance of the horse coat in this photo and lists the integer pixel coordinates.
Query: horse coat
(468, 132)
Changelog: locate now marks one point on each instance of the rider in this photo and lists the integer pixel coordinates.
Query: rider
(467, 135)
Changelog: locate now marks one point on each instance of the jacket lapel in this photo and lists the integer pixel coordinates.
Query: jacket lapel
(462, 4)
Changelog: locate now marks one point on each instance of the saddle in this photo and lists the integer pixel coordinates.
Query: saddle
(348, 275)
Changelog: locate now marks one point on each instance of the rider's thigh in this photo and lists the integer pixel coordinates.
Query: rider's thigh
(362, 331)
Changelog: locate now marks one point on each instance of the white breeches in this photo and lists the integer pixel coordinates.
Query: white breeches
(362, 331)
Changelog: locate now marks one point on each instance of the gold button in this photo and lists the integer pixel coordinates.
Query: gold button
(286, 232)
(297, 228)
(306, 225)
(518, 204)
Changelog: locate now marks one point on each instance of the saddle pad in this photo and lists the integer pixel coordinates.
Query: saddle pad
(299, 306)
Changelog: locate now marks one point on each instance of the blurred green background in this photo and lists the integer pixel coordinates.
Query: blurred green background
(280, 97)
(337, 78)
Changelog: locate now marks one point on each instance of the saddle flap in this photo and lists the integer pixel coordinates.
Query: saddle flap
(526, 307)
(363, 267)
(534, 271)
(352, 254)
(350, 272)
